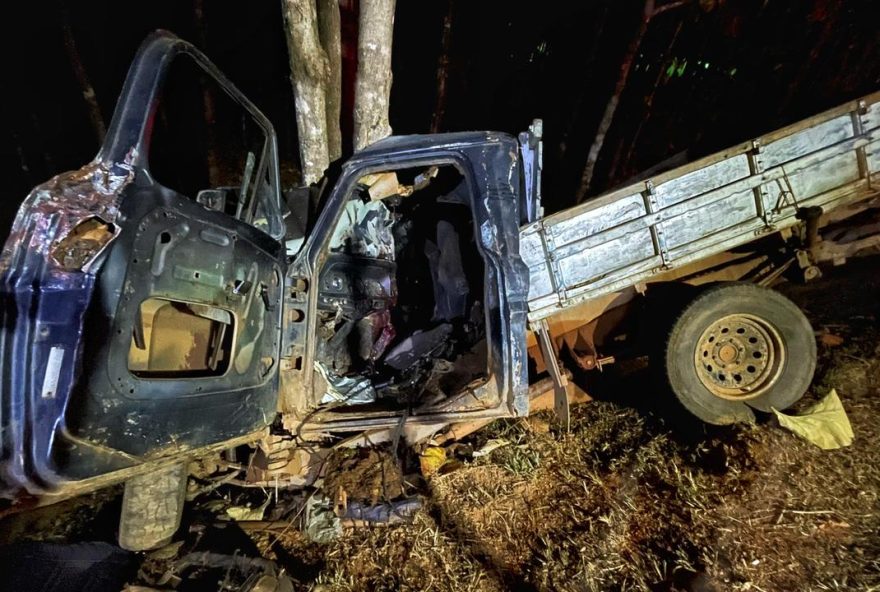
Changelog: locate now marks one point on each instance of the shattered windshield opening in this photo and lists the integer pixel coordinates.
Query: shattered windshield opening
(401, 318)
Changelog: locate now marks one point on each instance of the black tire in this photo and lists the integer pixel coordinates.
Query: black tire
(152, 505)
(779, 377)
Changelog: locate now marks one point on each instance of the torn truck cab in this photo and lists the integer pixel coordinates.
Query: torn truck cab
(419, 290)
(146, 320)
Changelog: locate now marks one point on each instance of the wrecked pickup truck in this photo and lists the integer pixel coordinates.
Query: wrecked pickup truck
(152, 330)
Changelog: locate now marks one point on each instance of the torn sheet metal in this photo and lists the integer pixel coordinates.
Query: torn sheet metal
(47, 277)
(83, 243)
(417, 346)
(70, 216)
(364, 230)
(346, 390)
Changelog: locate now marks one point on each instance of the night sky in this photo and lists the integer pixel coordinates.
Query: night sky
(709, 74)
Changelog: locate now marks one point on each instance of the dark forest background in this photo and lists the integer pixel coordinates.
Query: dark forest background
(707, 74)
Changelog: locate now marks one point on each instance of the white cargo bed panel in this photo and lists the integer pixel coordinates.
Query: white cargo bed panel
(701, 209)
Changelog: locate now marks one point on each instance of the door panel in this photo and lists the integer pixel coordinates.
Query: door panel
(141, 321)
(190, 350)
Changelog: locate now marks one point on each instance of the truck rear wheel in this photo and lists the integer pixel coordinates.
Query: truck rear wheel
(738, 347)
(152, 505)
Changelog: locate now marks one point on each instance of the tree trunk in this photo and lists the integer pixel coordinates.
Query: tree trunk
(373, 85)
(331, 40)
(310, 75)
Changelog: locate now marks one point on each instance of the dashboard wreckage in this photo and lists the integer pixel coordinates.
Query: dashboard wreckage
(239, 329)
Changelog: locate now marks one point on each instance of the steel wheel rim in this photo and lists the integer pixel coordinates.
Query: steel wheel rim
(739, 357)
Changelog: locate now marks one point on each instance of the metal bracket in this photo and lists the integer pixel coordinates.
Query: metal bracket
(556, 278)
(560, 381)
(652, 207)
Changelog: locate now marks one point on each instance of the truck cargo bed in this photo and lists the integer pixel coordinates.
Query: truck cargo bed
(695, 211)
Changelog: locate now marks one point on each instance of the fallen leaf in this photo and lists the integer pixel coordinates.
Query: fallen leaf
(167, 552)
(538, 425)
(825, 424)
(247, 513)
(830, 340)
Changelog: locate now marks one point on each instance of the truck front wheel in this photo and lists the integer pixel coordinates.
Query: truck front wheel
(152, 505)
(738, 347)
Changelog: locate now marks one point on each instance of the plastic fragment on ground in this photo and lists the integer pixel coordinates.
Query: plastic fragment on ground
(490, 446)
(322, 524)
(389, 513)
(431, 459)
(825, 424)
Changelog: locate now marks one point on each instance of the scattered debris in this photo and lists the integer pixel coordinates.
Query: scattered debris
(825, 424)
(389, 513)
(239, 572)
(490, 446)
(431, 459)
(348, 390)
(247, 512)
(322, 525)
(365, 230)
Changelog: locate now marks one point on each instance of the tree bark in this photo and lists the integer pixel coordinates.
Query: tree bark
(330, 34)
(648, 13)
(310, 75)
(373, 84)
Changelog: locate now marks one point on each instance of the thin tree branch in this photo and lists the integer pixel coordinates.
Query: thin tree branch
(443, 69)
(79, 72)
(649, 11)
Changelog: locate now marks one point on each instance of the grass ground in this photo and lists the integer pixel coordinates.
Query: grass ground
(625, 501)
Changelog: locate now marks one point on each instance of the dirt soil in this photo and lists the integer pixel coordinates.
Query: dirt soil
(365, 475)
(632, 500)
